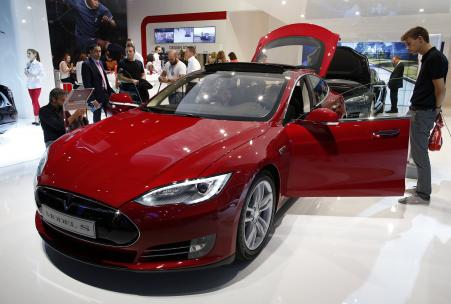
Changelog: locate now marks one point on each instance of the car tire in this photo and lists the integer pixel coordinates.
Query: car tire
(256, 217)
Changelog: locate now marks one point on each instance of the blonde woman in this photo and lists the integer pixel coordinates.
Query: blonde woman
(34, 72)
(221, 57)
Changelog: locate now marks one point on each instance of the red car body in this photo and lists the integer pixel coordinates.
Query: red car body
(108, 165)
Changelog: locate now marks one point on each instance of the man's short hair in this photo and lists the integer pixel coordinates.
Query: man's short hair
(416, 32)
(396, 57)
(131, 45)
(172, 51)
(192, 49)
(56, 93)
(156, 48)
(91, 47)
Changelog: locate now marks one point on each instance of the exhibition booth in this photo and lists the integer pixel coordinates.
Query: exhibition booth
(227, 151)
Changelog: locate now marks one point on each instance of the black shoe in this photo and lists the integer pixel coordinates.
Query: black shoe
(392, 111)
(36, 123)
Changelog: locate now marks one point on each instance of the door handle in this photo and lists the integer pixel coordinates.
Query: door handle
(386, 133)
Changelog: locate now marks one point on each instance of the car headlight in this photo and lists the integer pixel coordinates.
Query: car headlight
(42, 163)
(188, 192)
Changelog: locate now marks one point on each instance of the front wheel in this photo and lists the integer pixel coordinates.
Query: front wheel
(256, 217)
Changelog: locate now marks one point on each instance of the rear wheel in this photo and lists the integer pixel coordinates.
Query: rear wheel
(256, 217)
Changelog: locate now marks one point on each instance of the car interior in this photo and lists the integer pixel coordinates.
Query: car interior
(300, 102)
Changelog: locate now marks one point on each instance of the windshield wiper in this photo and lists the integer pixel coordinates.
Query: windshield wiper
(187, 115)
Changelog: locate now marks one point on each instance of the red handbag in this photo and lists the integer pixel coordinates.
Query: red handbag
(435, 139)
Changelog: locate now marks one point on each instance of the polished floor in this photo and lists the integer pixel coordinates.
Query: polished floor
(324, 250)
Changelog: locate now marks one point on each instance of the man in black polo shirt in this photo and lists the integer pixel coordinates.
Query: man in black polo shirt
(52, 119)
(130, 71)
(426, 102)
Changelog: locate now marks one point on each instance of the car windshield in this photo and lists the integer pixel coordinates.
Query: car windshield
(229, 95)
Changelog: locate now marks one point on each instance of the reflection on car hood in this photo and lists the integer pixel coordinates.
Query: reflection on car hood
(126, 155)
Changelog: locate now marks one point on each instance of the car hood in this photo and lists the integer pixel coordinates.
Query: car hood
(121, 158)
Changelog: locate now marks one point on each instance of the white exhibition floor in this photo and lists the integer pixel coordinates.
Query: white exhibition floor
(324, 250)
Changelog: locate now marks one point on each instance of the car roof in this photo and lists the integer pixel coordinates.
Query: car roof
(251, 67)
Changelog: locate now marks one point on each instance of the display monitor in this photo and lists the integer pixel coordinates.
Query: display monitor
(164, 35)
(205, 34)
(183, 35)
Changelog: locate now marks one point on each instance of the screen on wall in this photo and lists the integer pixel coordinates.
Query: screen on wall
(380, 53)
(205, 34)
(186, 35)
(183, 35)
(164, 35)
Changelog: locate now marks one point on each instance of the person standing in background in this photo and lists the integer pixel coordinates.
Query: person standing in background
(221, 57)
(174, 69)
(34, 72)
(395, 83)
(80, 61)
(130, 72)
(94, 76)
(137, 55)
(233, 57)
(66, 68)
(426, 102)
(190, 57)
(157, 65)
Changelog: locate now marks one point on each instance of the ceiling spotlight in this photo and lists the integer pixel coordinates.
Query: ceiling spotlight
(28, 7)
(357, 13)
(24, 21)
(421, 10)
(284, 2)
(302, 16)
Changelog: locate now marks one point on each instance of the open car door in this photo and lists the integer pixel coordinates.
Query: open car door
(301, 45)
(329, 157)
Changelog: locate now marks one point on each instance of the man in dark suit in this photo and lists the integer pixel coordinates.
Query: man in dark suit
(94, 76)
(395, 83)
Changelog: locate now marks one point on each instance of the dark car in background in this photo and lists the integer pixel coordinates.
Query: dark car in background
(350, 75)
(8, 111)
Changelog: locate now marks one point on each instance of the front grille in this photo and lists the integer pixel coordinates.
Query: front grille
(112, 227)
(85, 251)
(168, 252)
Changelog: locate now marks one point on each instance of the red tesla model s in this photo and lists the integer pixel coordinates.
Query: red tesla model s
(195, 177)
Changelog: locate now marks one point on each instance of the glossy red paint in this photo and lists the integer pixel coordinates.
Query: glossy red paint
(328, 38)
(117, 99)
(123, 157)
(322, 115)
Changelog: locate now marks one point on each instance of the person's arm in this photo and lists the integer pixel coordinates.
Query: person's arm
(438, 73)
(123, 78)
(143, 73)
(107, 17)
(439, 91)
(163, 77)
(78, 113)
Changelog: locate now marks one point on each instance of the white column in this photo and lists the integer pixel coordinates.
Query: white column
(24, 23)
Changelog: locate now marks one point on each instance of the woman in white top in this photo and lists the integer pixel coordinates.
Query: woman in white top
(34, 72)
(78, 66)
(66, 68)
